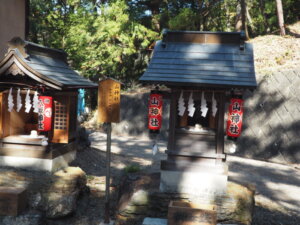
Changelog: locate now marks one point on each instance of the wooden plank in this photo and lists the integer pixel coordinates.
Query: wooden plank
(204, 55)
(1, 115)
(220, 125)
(41, 152)
(21, 139)
(5, 116)
(201, 68)
(109, 101)
(196, 154)
(203, 165)
(12, 201)
(211, 38)
(195, 143)
(199, 82)
(172, 120)
(217, 74)
(230, 63)
(205, 48)
(73, 115)
(186, 213)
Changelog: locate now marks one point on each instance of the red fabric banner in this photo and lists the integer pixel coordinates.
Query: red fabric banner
(155, 112)
(45, 113)
(235, 118)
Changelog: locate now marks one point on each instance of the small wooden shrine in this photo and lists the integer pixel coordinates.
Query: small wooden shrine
(30, 73)
(202, 70)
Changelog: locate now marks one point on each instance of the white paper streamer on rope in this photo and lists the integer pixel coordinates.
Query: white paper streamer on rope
(154, 149)
(35, 102)
(181, 107)
(10, 101)
(19, 100)
(191, 105)
(27, 102)
(214, 107)
(204, 108)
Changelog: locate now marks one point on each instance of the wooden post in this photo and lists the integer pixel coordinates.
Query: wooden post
(108, 112)
(108, 159)
(220, 127)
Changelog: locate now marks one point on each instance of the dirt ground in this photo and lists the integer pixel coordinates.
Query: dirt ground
(277, 186)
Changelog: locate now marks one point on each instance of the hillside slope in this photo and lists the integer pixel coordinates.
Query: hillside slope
(273, 52)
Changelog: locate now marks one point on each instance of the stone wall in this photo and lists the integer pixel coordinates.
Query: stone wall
(271, 126)
(134, 116)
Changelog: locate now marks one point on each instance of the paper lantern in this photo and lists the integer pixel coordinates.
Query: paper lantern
(235, 118)
(155, 111)
(45, 113)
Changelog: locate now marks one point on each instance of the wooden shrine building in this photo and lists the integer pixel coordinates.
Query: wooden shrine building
(25, 69)
(201, 66)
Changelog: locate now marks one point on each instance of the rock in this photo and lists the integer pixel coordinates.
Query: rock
(60, 198)
(141, 198)
(59, 205)
(26, 219)
(35, 200)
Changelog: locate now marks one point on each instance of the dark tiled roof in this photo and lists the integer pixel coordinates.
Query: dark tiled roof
(45, 65)
(57, 70)
(201, 64)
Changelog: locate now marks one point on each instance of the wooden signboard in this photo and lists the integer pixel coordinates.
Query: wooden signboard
(185, 213)
(109, 101)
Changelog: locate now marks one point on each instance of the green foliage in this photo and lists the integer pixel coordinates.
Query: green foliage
(185, 20)
(132, 168)
(100, 40)
(113, 38)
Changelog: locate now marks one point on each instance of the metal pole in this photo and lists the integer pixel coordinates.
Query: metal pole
(108, 147)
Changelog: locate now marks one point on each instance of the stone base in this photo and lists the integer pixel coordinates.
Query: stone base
(209, 181)
(154, 221)
(158, 221)
(50, 165)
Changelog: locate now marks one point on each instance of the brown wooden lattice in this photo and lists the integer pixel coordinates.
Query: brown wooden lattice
(60, 116)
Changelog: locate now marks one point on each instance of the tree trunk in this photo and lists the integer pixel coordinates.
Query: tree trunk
(240, 24)
(280, 17)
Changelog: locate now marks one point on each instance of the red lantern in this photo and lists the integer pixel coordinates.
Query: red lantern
(155, 112)
(45, 113)
(235, 117)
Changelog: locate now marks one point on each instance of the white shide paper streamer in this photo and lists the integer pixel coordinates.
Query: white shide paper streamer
(214, 107)
(204, 108)
(10, 101)
(191, 105)
(19, 100)
(181, 107)
(27, 102)
(35, 102)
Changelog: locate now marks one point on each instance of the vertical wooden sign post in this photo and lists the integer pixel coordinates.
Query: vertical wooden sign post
(108, 112)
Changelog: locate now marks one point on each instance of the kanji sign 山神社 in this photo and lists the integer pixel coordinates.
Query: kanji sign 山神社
(109, 101)
(235, 118)
(155, 111)
(44, 113)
